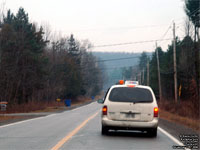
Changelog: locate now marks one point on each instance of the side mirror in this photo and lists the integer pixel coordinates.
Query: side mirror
(100, 101)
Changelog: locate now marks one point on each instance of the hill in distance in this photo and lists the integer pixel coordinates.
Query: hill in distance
(114, 62)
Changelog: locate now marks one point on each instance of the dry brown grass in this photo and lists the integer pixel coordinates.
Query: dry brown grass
(184, 112)
(188, 108)
(191, 123)
(36, 106)
(32, 106)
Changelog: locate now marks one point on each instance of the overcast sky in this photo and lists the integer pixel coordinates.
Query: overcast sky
(105, 22)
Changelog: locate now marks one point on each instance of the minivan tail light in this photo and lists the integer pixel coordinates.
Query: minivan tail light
(104, 110)
(155, 111)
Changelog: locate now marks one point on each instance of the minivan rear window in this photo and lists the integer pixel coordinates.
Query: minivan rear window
(128, 94)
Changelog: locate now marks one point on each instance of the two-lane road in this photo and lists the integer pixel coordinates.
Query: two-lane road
(77, 129)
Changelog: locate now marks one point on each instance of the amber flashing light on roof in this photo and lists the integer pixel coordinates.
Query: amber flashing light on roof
(121, 81)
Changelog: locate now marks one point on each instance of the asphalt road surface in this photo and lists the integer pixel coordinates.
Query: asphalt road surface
(77, 129)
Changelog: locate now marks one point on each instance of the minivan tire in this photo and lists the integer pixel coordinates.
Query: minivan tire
(104, 130)
(152, 132)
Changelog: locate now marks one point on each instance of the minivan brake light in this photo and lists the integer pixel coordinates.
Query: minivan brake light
(155, 111)
(104, 110)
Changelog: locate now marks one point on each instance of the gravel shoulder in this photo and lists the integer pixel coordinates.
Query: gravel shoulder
(177, 130)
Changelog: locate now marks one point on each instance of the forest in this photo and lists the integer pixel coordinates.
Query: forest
(35, 67)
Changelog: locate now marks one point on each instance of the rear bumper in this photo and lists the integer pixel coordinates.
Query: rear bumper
(112, 124)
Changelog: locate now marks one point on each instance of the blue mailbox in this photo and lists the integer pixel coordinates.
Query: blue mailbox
(68, 102)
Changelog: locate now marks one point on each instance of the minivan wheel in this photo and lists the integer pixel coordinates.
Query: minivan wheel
(104, 130)
(152, 132)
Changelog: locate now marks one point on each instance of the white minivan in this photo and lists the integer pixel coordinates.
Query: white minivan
(130, 107)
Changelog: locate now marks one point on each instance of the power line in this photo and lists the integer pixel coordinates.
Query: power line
(136, 27)
(87, 68)
(166, 32)
(117, 67)
(189, 14)
(194, 12)
(110, 68)
(115, 59)
(120, 28)
(129, 43)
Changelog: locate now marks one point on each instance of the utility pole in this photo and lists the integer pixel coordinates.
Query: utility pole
(143, 76)
(148, 72)
(158, 66)
(139, 78)
(175, 71)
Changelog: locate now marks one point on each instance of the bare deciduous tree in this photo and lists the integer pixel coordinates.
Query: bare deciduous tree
(2, 10)
(189, 29)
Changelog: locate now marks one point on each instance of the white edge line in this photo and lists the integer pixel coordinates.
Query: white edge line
(51, 115)
(172, 137)
(19, 122)
(82, 106)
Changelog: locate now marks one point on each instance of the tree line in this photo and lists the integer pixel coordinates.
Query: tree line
(187, 58)
(36, 68)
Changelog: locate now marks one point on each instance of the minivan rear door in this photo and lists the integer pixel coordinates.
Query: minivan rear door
(130, 104)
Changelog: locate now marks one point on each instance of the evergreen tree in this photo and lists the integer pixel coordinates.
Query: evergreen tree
(24, 49)
(143, 61)
(193, 12)
(73, 47)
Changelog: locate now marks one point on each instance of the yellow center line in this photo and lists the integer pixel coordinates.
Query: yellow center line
(65, 139)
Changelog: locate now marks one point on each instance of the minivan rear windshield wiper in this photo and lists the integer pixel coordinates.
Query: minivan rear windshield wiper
(142, 101)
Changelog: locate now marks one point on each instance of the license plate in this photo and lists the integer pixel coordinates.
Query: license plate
(130, 115)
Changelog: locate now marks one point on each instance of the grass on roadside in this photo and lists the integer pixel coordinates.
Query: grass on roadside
(37, 107)
(185, 113)
(191, 123)
(43, 106)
